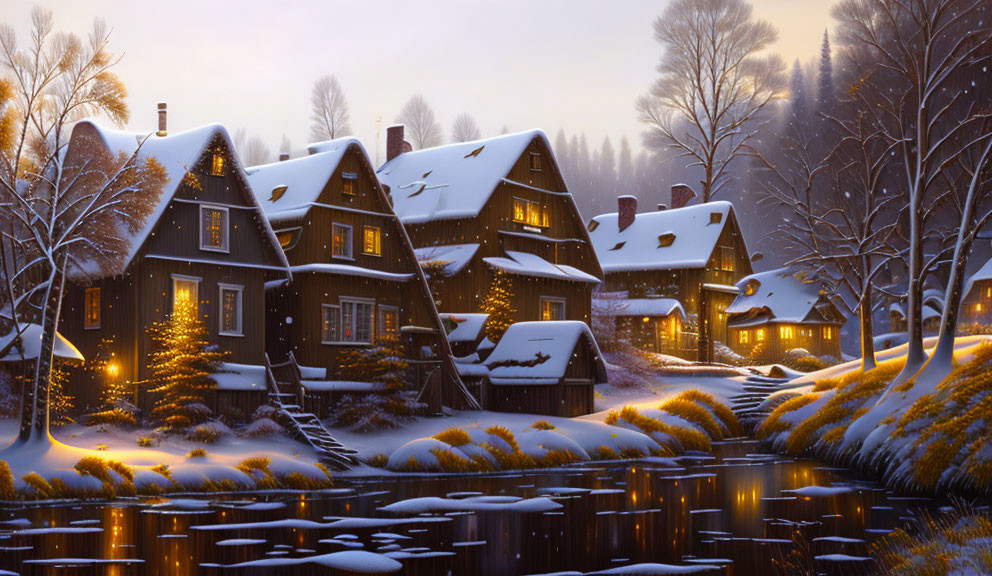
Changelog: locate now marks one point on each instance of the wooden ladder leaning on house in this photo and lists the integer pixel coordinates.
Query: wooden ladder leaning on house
(304, 426)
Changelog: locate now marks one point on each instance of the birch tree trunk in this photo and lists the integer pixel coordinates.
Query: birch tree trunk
(867, 331)
(34, 408)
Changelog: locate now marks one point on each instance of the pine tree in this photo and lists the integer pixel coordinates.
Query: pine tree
(827, 96)
(180, 365)
(798, 99)
(60, 403)
(498, 304)
(116, 405)
(384, 363)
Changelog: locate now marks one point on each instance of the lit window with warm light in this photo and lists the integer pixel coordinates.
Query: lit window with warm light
(184, 289)
(531, 213)
(389, 320)
(759, 335)
(552, 308)
(214, 233)
(230, 310)
(786, 332)
(744, 337)
(91, 308)
(828, 332)
(217, 164)
(372, 241)
(348, 180)
(341, 241)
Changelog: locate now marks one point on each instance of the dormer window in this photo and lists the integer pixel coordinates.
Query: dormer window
(750, 288)
(535, 162)
(214, 232)
(217, 164)
(666, 239)
(348, 183)
(593, 224)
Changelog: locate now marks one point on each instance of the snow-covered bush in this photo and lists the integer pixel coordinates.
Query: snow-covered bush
(454, 437)
(802, 360)
(197, 453)
(371, 412)
(147, 441)
(542, 425)
(259, 428)
(958, 541)
(208, 432)
(687, 438)
(723, 354)
(628, 367)
(6, 482)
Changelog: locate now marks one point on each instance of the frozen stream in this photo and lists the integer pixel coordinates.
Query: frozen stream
(733, 510)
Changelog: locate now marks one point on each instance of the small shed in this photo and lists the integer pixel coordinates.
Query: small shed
(18, 359)
(544, 368)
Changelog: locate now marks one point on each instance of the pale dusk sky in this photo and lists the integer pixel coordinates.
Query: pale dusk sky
(577, 64)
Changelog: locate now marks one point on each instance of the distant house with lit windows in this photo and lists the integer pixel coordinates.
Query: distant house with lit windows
(782, 312)
(498, 204)
(660, 261)
(355, 279)
(206, 240)
(976, 304)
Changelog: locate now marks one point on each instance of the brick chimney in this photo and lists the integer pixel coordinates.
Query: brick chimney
(682, 194)
(283, 156)
(626, 210)
(395, 144)
(163, 125)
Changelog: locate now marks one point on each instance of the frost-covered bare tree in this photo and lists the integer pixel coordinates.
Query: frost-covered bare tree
(329, 110)
(922, 57)
(465, 128)
(714, 80)
(252, 150)
(422, 128)
(60, 217)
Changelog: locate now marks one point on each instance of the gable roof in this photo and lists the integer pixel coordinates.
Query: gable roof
(525, 342)
(453, 181)
(31, 342)
(304, 178)
(638, 247)
(983, 273)
(787, 298)
(177, 153)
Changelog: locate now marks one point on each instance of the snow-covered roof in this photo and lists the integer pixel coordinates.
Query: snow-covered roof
(303, 179)
(526, 343)
(239, 377)
(31, 341)
(929, 311)
(456, 255)
(177, 153)
(983, 273)
(453, 181)
(341, 386)
(468, 327)
(351, 270)
(526, 264)
(637, 307)
(786, 297)
(640, 247)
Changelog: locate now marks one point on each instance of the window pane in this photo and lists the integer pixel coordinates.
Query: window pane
(217, 165)
(91, 313)
(212, 228)
(388, 321)
(372, 241)
(183, 291)
(341, 241)
(552, 309)
(330, 324)
(347, 321)
(363, 321)
(230, 302)
(519, 210)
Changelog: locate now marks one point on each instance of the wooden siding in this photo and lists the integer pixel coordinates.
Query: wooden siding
(808, 335)
(976, 308)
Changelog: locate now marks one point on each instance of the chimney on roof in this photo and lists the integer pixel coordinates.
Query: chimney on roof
(662, 207)
(626, 211)
(283, 156)
(395, 144)
(163, 126)
(682, 194)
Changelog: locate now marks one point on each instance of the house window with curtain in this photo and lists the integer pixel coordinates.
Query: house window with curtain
(341, 241)
(356, 320)
(91, 312)
(552, 308)
(372, 241)
(230, 310)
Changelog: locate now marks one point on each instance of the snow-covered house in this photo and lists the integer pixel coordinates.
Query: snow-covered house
(496, 204)
(355, 278)
(652, 324)
(206, 240)
(466, 333)
(670, 255)
(976, 304)
(782, 312)
(544, 368)
(933, 309)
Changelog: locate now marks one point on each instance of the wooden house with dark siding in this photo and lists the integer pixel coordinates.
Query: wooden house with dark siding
(976, 304)
(207, 240)
(496, 204)
(671, 255)
(355, 279)
(781, 312)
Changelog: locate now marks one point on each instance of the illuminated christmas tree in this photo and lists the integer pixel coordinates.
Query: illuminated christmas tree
(116, 398)
(180, 367)
(498, 305)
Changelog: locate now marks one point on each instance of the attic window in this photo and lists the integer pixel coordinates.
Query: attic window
(277, 193)
(348, 183)
(618, 246)
(665, 239)
(593, 224)
(217, 164)
(535, 162)
(716, 217)
(472, 154)
(750, 288)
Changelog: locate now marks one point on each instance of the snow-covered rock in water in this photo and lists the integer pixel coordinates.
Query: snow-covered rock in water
(420, 451)
(537, 443)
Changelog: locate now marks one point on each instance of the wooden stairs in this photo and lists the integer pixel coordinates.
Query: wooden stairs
(747, 404)
(285, 396)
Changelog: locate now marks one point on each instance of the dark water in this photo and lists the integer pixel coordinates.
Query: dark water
(729, 509)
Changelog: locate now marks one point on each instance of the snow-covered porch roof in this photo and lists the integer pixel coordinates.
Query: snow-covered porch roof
(539, 353)
(31, 342)
(454, 256)
(525, 264)
(638, 307)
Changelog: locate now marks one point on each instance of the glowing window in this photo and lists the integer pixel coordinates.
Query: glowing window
(348, 183)
(217, 164)
(750, 288)
(341, 241)
(552, 308)
(744, 337)
(230, 310)
(828, 332)
(91, 309)
(531, 213)
(786, 332)
(389, 320)
(285, 238)
(184, 289)
(213, 228)
(978, 307)
(356, 321)
(372, 241)
(759, 335)
(330, 323)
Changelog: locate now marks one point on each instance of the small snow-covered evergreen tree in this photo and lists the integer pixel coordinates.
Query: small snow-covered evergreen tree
(383, 363)
(826, 96)
(498, 304)
(180, 365)
(116, 398)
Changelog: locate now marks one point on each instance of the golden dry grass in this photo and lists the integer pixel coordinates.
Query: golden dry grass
(454, 437)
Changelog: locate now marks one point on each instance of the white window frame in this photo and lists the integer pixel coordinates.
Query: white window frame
(220, 309)
(351, 241)
(354, 320)
(336, 337)
(196, 289)
(553, 299)
(380, 320)
(226, 245)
